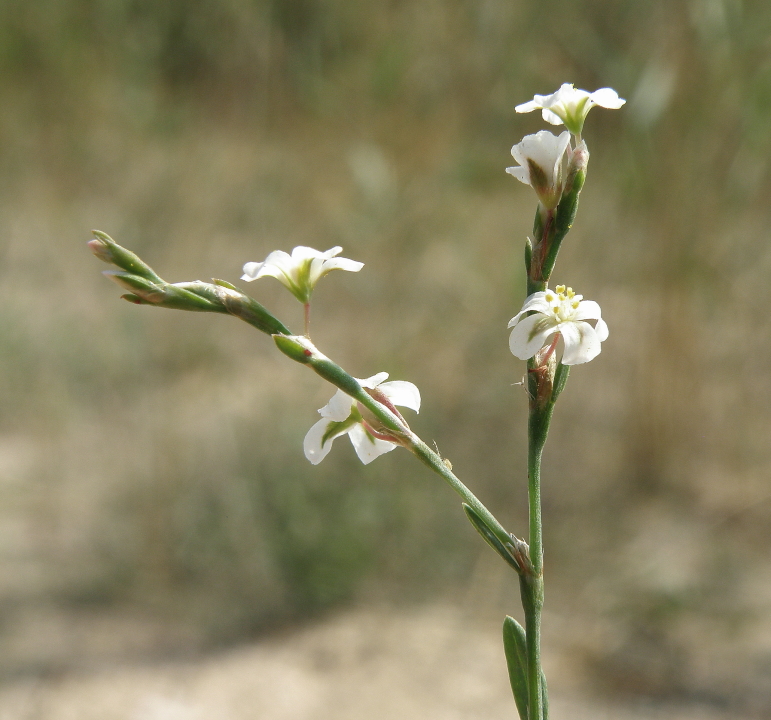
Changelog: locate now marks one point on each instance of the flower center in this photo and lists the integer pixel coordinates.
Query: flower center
(563, 302)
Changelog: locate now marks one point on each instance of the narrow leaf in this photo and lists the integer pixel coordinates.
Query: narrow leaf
(490, 537)
(560, 378)
(515, 647)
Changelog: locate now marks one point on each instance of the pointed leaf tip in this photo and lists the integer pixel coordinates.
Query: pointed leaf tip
(515, 648)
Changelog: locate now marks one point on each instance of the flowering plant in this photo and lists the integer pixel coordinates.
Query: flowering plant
(366, 410)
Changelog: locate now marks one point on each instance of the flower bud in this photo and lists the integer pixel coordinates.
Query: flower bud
(107, 250)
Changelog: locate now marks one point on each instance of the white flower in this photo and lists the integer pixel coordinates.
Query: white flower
(540, 164)
(341, 415)
(301, 270)
(570, 106)
(558, 311)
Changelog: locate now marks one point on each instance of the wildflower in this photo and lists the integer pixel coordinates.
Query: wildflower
(540, 165)
(558, 311)
(570, 106)
(341, 416)
(300, 271)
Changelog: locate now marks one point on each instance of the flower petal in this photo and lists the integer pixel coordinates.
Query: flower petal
(587, 310)
(529, 335)
(303, 253)
(367, 447)
(537, 301)
(551, 117)
(250, 271)
(582, 343)
(338, 408)
(601, 328)
(521, 173)
(607, 98)
(403, 393)
(527, 107)
(342, 264)
(278, 264)
(374, 381)
(315, 451)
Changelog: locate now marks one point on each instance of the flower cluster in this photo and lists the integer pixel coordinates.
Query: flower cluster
(545, 317)
(540, 156)
(561, 313)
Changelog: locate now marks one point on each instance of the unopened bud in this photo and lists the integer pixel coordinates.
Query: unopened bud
(107, 250)
(575, 174)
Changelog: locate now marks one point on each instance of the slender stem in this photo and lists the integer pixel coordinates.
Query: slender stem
(531, 587)
(538, 427)
(428, 457)
(307, 308)
(532, 600)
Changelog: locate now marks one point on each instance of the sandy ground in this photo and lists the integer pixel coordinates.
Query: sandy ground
(426, 663)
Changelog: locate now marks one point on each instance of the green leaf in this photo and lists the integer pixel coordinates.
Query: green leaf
(528, 254)
(490, 537)
(560, 379)
(515, 647)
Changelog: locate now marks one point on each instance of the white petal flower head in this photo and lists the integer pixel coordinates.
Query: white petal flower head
(301, 270)
(540, 164)
(570, 106)
(558, 311)
(340, 416)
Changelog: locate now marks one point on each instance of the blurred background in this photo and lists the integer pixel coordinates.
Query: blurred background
(155, 504)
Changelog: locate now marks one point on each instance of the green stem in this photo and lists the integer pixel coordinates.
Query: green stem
(531, 584)
(428, 457)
